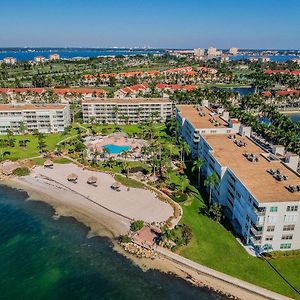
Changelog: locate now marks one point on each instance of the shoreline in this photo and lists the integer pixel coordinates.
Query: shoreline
(104, 223)
(290, 112)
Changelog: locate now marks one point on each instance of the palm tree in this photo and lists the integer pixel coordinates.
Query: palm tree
(116, 111)
(184, 150)
(3, 154)
(212, 180)
(197, 164)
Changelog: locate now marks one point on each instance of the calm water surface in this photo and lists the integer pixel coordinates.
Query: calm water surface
(41, 258)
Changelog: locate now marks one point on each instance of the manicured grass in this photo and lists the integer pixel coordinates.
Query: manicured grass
(31, 150)
(227, 85)
(39, 161)
(214, 246)
(62, 160)
(129, 182)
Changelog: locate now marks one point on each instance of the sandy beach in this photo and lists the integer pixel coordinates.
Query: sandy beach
(72, 199)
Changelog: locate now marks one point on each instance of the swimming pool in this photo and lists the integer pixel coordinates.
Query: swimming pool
(115, 149)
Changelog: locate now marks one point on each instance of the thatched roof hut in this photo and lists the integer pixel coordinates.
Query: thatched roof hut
(48, 163)
(92, 180)
(72, 177)
(116, 185)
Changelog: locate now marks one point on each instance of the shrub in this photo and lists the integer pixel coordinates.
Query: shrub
(179, 196)
(22, 171)
(125, 239)
(137, 225)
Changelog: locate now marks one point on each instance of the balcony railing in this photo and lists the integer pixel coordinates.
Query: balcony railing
(260, 211)
(256, 230)
(255, 241)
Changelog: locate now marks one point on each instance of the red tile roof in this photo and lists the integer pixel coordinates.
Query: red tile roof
(79, 91)
(179, 70)
(134, 88)
(175, 87)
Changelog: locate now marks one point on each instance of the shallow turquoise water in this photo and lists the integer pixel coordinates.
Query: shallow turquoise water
(115, 149)
(42, 258)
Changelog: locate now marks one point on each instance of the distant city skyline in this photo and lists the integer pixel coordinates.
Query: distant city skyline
(259, 24)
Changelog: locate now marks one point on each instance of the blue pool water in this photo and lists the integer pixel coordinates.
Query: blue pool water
(115, 149)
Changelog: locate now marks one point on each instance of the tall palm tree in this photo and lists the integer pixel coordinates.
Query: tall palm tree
(116, 113)
(197, 164)
(211, 181)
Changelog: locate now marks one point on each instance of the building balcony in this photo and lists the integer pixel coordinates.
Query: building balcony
(255, 240)
(256, 231)
(259, 211)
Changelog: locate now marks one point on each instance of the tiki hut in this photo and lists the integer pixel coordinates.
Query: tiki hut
(116, 186)
(48, 163)
(72, 177)
(92, 180)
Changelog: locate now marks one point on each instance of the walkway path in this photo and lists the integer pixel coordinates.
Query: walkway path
(254, 289)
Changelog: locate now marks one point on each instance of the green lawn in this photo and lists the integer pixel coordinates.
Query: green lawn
(31, 149)
(129, 182)
(214, 246)
(227, 85)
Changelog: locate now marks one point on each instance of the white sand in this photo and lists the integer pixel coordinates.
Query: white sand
(137, 204)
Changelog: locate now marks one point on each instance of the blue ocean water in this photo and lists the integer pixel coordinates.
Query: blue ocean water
(43, 258)
(29, 54)
(115, 149)
(295, 117)
(275, 58)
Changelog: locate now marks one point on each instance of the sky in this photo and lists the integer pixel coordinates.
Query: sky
(251, 24)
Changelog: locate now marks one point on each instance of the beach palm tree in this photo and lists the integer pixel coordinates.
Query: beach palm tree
(197, 164)
(211, 181)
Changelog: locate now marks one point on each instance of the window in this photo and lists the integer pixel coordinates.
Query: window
(287, 237)
(290, 218)
(288, 227)
(292, 208)
(286, 246)
(270, 228)
(273, 209)
(271, 219)
(269, 238)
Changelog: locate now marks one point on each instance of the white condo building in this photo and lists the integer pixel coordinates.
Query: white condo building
(259, 190)
(233, 51)
(126, 110)
(44, 118)
(199, 52)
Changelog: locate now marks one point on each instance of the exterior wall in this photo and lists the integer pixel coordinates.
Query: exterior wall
(126, 112)
(250, 218)
(43, 120)
(192, 135)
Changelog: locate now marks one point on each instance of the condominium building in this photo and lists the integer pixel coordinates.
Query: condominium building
(40, 59)
(122, 111)
(233, 51)
(44, 118)
(9, 60)
(259, 189)
(54, 56)
(199, 52)
(212, 51)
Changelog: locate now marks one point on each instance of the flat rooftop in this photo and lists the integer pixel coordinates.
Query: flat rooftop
(254, 175)
(191, 113)
(125, 100)
(20, 107)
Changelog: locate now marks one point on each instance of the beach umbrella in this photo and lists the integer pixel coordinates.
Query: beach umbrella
(48, 163)
(72, 177)
(116, 185)
(92, 180)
